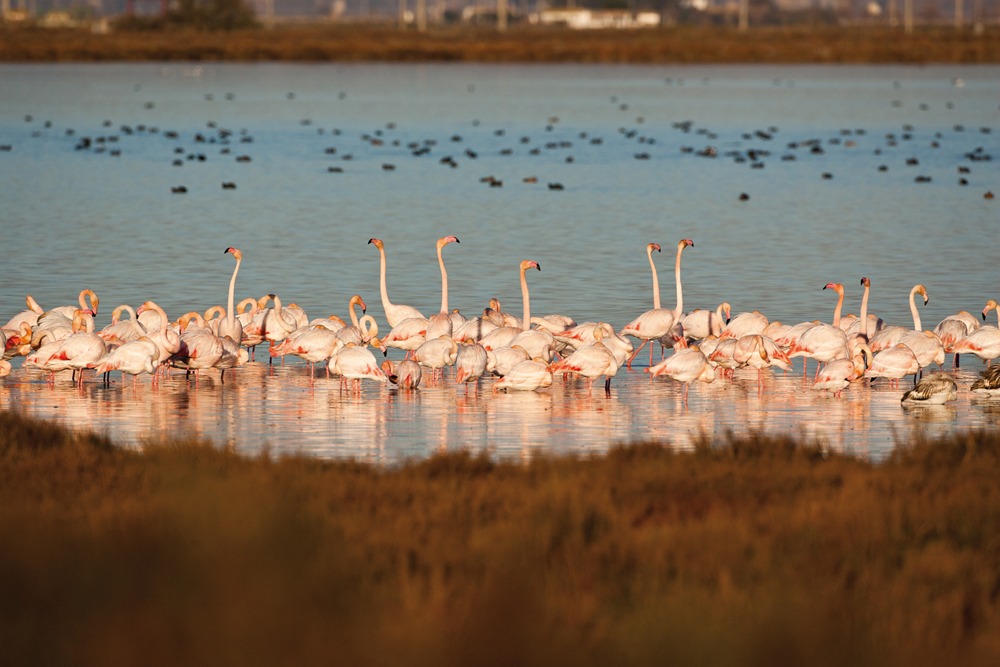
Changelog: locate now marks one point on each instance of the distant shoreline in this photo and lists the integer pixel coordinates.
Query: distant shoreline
(368, 43)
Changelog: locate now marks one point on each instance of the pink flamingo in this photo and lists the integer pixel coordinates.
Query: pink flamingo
(230, 326)
(440, 324)
(394, 313)
(984, 342)
(685, 365)
(658, 322)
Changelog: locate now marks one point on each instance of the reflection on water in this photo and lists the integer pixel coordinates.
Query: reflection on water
(279, 409)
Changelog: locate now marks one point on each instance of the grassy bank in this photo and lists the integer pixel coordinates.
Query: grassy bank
(358, 43)
(746, 552)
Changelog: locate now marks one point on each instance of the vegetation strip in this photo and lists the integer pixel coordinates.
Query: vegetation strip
(366, 43)
(749, 551)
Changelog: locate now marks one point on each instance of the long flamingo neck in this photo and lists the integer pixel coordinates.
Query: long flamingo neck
(838, 309)
(444, 284)
(864, 311)
(917, 325)
(386, 304)
(677, 279)
(230, 312)
(656, 280)
(526, 299)
(354, 315)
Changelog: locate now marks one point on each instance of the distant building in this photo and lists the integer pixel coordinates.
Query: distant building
(590, 19)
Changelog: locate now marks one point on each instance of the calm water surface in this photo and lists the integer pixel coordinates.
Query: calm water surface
(324, 157)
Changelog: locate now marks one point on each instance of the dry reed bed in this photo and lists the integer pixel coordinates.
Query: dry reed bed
(524, 44)
(750, 551)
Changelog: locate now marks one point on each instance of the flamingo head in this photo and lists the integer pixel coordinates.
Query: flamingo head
(530, 264)
(238, 254)
(990, 305)
(922, 291)
(727, 309)
(377, 243)
(357, 301)
(94, 301)
(445, 240)
(650, 247)
(836, 287)
(684, 243)
(866, 282)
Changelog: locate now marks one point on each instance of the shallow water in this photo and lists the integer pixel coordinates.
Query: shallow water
(87, 218)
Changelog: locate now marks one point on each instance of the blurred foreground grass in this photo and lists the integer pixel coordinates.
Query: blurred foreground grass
(364, 43)
(752, 551)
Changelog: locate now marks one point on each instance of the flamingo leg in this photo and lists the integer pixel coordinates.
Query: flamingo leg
(628, 364)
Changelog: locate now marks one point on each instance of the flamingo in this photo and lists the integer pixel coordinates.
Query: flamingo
(441, 323)
(926, 347)
(984, 342)
(501, 360)
(353, 332)
(133, 357)
(988, 382)
(865, 324)
(935, 389)
(75, 351)
(526, 376)
(407, 335)
(167, 341)
(758, 351)
(199, 348)
(87, 300)
(231, 327)
(356, 363)
(394, 313)
(591, 361)
(685, 365)
(476, 328)
(745, 324)
(537, 343)
(658, 322)
(29, 316)
(894, 363)
(822, 342)
(953, 329)
(470, 364)
(723, 356)
(313, 344)
(405, 375)
(838, 374)
(122, 331)
(437, 353)
(17, 343)
(700, 324)
(276, 324)
(888, 336)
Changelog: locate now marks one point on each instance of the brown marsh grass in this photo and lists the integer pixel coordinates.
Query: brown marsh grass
(750, 551)
(359, 43)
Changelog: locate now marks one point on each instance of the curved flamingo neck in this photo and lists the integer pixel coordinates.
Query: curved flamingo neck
(917, 324)
(526, 299)
(656, 279)
(354, 315)
(840, 306)
(280, 317)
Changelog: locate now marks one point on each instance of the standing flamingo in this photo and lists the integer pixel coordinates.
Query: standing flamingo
(134, 357)
(470, 364)
(658, 322)
(894, 363)
(75, 351)
(394, 313)
(685, 365)
(591, 361)
(29, 316)
(167, 341)
(405, 375)
(537, 343)
(440, 324)
(357, 363)
(230, 326)
(888, 336)
(526, 376)
(984, 342)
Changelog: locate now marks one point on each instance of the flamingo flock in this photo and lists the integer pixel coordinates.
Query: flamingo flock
(526, 353)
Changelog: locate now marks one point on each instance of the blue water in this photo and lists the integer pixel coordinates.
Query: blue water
(623, 141)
